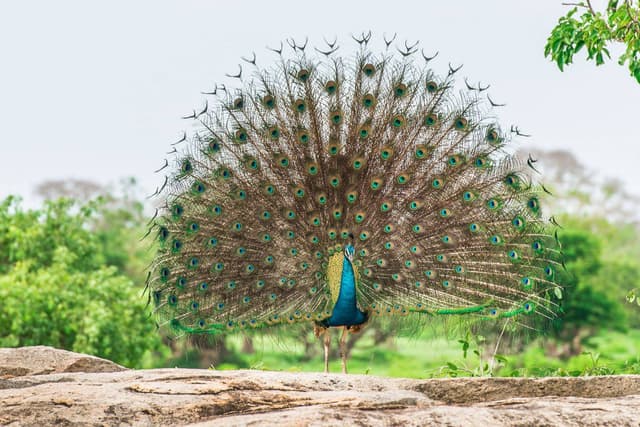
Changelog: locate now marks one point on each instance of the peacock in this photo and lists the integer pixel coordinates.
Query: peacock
(332, 190)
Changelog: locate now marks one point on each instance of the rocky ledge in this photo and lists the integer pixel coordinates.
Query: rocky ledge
(44, 386)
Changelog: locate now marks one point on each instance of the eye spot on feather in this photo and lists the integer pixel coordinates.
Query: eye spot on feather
(163, 234)
(430, 120)
(303, 136)
(512, 181)
(376, 183)
(165, 273)
(402, 179)
(386, 153)
(468, 196)
(518, 223)
(299, 192)
(238, 103)
(369, 70)
(538, 247)
(186, 167)
(527, 283)
(331, 87)
(268, 101)
(400, 90)
(431, 86)
(273, 132)
(336, 117)
(398, 121)
(176, 211)
(389, 228)
(241, 136)
(492, 136)
(172, 300)
(494, 204)
(496, 240)
(529, 307)
(303, 74)
(474, 228)
(533, 205)
(461, 124)
(300, 106)
(213, 147)
(368, 101)
(193, 263)
(181, 282)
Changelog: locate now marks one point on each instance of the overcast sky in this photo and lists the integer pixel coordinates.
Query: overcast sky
(95, 90)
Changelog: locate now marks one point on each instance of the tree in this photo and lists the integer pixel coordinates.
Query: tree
(595, 31)
(57, 288)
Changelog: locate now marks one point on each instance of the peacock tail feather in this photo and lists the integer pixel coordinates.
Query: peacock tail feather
(279, 173)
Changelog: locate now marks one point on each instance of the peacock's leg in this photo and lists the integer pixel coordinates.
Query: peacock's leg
(327, 342)
(343, 349)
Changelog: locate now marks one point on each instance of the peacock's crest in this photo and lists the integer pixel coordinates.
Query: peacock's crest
(281, 172)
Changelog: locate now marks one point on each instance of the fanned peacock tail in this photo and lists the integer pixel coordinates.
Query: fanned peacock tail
(319, 147)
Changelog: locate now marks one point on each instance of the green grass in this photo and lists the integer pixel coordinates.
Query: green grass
(430, 355)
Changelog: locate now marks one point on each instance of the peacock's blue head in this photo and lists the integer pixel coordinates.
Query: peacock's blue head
(349, 252)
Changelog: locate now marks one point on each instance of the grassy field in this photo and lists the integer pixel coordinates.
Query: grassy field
(430, 355)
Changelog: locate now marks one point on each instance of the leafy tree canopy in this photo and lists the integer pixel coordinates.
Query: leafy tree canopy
(595, 31)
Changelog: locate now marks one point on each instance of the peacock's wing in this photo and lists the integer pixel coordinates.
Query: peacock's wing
(279, 175)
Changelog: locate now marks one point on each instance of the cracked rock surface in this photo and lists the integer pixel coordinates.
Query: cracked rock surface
(44, 386)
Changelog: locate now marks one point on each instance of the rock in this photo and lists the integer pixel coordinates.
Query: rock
(205, 397)
(40, 360)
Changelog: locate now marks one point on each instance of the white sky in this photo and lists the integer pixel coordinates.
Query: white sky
(95, 90)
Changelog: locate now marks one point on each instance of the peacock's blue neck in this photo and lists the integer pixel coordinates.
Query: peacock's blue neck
(345, 311)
